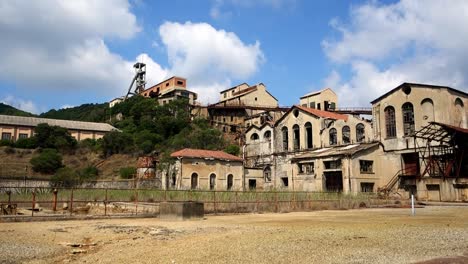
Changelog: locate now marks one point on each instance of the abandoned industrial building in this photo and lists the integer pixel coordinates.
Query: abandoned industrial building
(16, 127)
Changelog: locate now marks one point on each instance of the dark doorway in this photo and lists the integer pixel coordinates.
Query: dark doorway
(410, 164)
(252, 184)
(194, 182)
(333, 181)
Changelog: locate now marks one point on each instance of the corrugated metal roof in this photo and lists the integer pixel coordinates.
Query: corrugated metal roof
(203, 153)
(337, 151)
(34, 121)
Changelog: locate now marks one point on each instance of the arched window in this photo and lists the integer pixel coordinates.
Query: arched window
(284, 132)
(296, 137)
(230, 181)
(333, 136)
(267, 135)
(254, 136)
(194, 181)
(346, 135)
(360, 133)
(308, 132)
(427, 108)
(212, 181)
(408, 119)
(267, 174)
(390, 123)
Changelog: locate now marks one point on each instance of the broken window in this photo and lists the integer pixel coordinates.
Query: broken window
(267, 135)
(390, 123)
(194, 181)
(360, 135)
(267, 174)
(284, 131)
(332, 106)
(325, 105)
(408, 119)
(173, 180)
(180, 83)
(332, 164)
(285, 181)
(212, 181)
(366, 166)
(254, 136)
(346, 131)
(6, 136)
(296, 137)
(333, 137)
(308, 130)
(230, 181)
(306, 168)
(367, 187)
(318, 106)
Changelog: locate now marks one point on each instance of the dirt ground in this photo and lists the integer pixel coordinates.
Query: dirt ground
(351, 236)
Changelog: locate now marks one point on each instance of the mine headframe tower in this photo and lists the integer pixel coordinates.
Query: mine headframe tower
(139, 79)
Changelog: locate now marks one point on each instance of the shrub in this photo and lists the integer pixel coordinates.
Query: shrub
(89, 173)
(27, 143)
(65, 177)
(127, 172)
(48, 161)
(233, 150)
(5, 142)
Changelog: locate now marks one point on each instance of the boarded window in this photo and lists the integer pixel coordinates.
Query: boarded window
(408, 119)
(296, 137)
(230, 181)
(390, 123)
(284, 132)
(333, 137)
(212, 181)
(308, 131)
(360, 133)
(346, 133)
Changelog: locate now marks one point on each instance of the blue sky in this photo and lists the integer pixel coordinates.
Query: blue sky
(65, 53)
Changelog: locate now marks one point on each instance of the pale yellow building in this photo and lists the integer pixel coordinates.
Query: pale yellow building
(325, 99)
(199, 169)
(16, 127)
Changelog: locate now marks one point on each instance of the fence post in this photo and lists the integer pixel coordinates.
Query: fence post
(71, 202)
(33, 201)
(214, 201)
(54, 206)
(136, 201)
(276, 202)
(105, 204)
(237, 206)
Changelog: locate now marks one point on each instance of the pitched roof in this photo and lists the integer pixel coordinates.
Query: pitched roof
(233, 87)
(324, 114)
(34, 121)
(203, 153)
(245, 91)
(348, 150)
(417, 85)
(317, 92)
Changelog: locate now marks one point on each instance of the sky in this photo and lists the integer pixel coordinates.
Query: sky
(59, 53)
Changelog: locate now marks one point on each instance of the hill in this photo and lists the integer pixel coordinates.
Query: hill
(84, 112)
(10, 110)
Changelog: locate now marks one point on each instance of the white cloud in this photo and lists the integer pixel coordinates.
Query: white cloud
(409, 41)
(208, 57)
(55, 44)
(25, 105)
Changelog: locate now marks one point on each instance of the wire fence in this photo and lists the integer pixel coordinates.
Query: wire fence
(145, 202)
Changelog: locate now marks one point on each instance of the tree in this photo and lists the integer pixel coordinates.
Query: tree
(232, 149)
(117, 142)
(54, 137)
(65, 177)
(48, 161)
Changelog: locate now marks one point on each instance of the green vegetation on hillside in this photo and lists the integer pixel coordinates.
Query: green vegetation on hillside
(10, 110)
(84, 112)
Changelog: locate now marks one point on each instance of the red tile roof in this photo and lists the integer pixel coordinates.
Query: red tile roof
(203, 153)
(324, 114)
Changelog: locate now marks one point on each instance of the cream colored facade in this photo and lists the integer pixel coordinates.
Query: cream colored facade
(200, 170)
(16, 127)
(115, 101)
(322, 100)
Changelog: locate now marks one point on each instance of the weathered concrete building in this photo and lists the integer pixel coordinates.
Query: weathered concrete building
(399, 121)
(325, 99)
(16, 127)
(169, 90)
(205, 170)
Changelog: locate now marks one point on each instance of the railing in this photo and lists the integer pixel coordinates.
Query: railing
(389, 186)
(50, 202)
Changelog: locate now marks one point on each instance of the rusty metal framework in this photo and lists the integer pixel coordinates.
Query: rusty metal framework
(442, 150)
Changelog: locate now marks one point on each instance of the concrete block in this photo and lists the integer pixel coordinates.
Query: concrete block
(181, 210)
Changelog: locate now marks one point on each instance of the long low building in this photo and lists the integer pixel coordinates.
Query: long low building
(16, 127)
